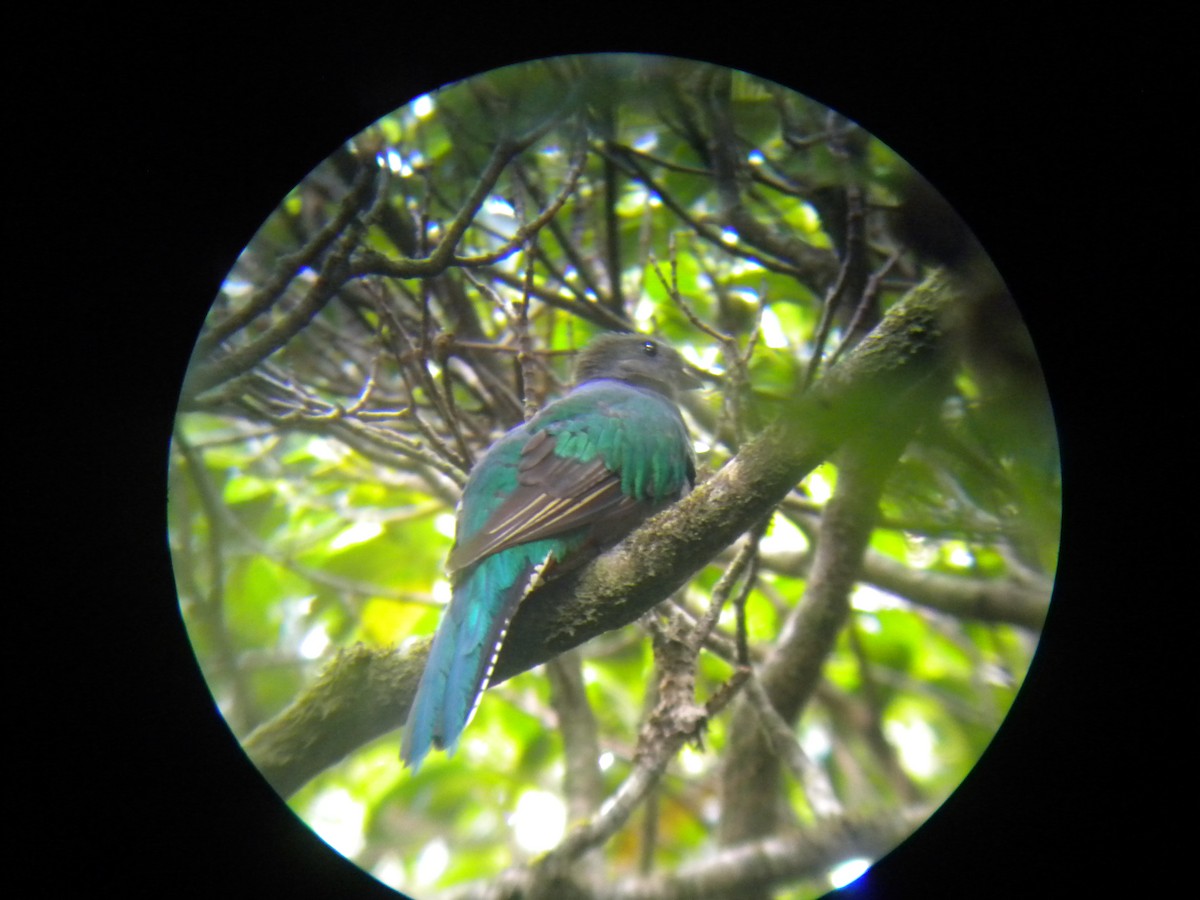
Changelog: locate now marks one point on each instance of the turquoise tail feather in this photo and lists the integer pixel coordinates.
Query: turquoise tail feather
(465, 647)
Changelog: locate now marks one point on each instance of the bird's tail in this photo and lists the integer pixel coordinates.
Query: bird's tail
(466, 645)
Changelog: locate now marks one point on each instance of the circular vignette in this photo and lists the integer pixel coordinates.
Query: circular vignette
(424, 289)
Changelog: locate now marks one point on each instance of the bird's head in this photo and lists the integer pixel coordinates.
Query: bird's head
(636, 359)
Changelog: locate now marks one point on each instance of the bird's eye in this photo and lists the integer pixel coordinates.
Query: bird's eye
(650, 348)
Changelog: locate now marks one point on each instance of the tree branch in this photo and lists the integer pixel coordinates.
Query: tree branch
(733, 871)
(904, 358)
(289, 266)
(370, 262)
(220, 367)
(873, 390)
(361, 694)
(750, 780)
(1010, 601)
(583, 783)
(740, 871)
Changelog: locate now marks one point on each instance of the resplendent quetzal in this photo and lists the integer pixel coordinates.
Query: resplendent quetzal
(551, 494)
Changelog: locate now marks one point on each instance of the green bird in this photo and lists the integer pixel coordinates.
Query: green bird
(550, 495)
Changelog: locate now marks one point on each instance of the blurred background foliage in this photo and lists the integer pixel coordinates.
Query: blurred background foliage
(423, 289)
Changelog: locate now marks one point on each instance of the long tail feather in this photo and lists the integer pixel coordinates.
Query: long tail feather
(465, 648)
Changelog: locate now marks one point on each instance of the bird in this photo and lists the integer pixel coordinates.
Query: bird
(547, 497)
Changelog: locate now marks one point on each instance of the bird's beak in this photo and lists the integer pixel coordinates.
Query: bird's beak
(689, 381)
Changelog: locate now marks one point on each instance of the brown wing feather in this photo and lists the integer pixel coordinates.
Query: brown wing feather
(554, 495)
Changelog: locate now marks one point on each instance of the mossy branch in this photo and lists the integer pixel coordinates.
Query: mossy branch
(365, 693)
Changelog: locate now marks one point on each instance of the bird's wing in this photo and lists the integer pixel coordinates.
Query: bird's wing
(600, 459)
(554, 494)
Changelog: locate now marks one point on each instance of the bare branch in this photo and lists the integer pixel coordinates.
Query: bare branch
(288, 266)
(370, 262)
(219, 367)
(740, 871)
